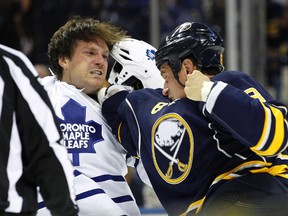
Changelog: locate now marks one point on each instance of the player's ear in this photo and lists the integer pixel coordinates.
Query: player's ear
(189, 66)
(62, 61)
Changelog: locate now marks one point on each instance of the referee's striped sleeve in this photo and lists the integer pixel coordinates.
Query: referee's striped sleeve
(35, 101)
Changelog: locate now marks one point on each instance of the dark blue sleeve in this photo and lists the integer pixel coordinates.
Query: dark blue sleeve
(245, 109)
(111, 109)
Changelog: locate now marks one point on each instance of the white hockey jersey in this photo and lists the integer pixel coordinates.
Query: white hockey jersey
(99, 160)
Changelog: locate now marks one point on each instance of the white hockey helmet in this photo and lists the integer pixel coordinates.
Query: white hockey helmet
(135, 65)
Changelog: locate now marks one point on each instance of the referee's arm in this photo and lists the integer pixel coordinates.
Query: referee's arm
(31, 148)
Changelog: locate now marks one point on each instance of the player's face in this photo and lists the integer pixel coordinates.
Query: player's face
(172, 88)
(87, 67)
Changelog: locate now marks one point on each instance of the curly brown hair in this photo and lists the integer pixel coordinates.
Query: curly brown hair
(84, 29)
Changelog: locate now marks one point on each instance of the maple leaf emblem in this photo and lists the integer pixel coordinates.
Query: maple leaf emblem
(150, 54)
(79, 135)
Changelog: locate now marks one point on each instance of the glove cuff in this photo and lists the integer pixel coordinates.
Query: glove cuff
(207, 86)
(101, 95)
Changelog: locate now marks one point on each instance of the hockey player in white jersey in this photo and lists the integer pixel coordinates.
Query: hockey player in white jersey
(79, 52)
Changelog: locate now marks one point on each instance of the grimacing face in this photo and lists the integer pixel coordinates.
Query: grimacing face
(87, 68)
(172, 88)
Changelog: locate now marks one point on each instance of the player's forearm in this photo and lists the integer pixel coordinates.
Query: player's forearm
(110, 110)
(259, 125)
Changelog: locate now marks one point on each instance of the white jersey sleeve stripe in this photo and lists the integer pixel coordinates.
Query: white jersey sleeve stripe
(216, 90)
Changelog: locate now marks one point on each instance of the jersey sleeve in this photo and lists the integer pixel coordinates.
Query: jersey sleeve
(246, 111)
(112, 109)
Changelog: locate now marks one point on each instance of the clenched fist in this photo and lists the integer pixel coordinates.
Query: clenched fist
(197, 86)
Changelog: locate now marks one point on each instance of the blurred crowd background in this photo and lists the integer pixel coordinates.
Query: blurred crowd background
(28, 25)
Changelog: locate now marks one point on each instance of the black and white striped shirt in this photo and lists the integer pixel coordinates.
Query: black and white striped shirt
(31, 153)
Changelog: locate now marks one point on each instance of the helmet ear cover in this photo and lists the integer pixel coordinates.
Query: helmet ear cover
(130, 81)
(211, 59)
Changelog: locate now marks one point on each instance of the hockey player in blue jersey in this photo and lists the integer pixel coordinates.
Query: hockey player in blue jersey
(212, 142)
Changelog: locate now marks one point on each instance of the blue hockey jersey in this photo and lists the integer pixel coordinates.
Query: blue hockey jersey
(189, 148)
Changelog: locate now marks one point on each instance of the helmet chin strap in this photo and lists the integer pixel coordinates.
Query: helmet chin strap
(176, 67)
(175, 73)
(181, 83)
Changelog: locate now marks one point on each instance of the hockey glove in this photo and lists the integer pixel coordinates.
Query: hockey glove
(198, 86)
(107, 92)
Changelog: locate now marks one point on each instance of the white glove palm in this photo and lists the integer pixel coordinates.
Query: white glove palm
(197, 86)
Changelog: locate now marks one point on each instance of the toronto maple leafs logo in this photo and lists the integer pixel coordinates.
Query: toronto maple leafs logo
(150, 54)
(79, 136)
